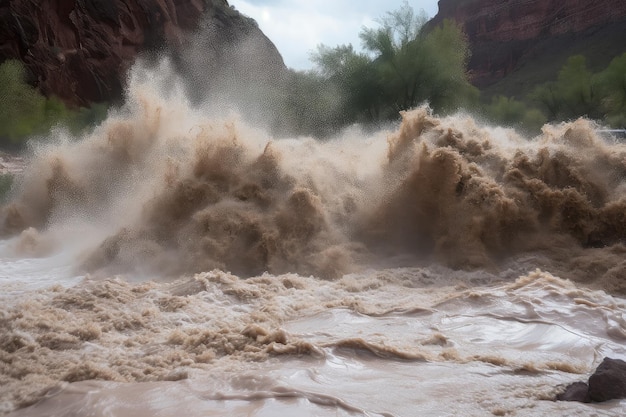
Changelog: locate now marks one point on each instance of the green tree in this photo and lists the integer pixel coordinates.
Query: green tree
(574, 93)
(403, 66)
(25, 113)
(548, 97)
(21, 106)
(577, 88)
(6, 182)
(449, 87)
(514, 113)
(611, 85)
(398, 55)
(355, 79)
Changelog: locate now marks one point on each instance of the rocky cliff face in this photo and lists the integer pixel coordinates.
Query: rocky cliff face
(80, 50)
(502, 33)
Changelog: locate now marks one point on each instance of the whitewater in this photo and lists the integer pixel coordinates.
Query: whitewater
(175, 261)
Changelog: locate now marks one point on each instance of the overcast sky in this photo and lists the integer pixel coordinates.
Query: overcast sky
(297, 26)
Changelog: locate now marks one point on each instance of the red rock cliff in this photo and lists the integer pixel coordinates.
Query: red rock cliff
(501, 32)
(80, 50)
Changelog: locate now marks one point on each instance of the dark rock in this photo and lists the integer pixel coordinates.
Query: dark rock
(102, 10)
(81, 50)
(578, 391)
(608, 381)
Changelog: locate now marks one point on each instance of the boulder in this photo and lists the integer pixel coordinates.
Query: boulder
(608, 382)
(578, 391)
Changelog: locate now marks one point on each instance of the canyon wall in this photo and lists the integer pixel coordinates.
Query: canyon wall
(503, 33)
(80, 50)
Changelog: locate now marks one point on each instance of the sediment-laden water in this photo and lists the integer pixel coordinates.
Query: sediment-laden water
(177, 262)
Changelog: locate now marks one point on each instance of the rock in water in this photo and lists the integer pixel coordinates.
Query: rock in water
(608, 381)
(578, 391)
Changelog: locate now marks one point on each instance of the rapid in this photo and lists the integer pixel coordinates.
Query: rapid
(175, 261)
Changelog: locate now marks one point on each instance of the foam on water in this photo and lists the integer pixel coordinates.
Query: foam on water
(23, 268)
(371, 274)
(168, 190)
(384, 342)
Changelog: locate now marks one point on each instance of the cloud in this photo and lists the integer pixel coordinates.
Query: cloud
(297, 27)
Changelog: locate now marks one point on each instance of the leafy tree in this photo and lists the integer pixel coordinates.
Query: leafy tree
(398, 57)
(547, 96)
(355, 79)
(403, 66)
(6, 181)
(577, 88)
(514, 113)
(21, 106)
(611, 85)
(25, 113)
(572, 95)
(449, 87)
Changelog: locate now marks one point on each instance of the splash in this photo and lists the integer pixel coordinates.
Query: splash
(165, 188)
(218, 327)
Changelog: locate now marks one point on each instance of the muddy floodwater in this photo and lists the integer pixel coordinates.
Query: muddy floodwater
(172, 262)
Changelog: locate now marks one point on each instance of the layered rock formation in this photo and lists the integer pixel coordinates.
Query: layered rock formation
(80, 50)
(502, 33)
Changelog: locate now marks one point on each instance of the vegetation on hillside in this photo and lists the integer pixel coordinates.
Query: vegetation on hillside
(401, 66)
(25, 113)
(576, 92)
(6, 181)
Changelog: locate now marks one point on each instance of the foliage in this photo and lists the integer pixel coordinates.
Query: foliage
(577, 88)
(355, 81)
(514, 113)
(573, 94)
(449, 87)
(6, 181)
(21, 107)
(576, 92)
(611, 85)
(402, 66)
(25, 113)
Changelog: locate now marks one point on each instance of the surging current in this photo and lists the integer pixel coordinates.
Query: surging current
(174, 259)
